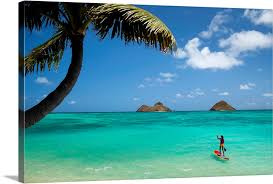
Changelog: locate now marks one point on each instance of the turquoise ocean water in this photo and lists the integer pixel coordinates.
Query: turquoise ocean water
(106, 146)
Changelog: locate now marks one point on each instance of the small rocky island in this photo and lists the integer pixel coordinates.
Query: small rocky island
(158, 107)
(222, 106)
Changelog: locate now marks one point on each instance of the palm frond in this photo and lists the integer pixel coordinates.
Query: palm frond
(39, 14)
(132, 24)
(47, 54)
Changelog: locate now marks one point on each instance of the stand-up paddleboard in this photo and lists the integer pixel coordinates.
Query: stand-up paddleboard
(218, 155)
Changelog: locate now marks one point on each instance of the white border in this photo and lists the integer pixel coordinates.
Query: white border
(9, 90)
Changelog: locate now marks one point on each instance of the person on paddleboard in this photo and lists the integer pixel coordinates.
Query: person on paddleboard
(222, 142)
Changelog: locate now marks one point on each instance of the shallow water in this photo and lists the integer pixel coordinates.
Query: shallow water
(106, 146)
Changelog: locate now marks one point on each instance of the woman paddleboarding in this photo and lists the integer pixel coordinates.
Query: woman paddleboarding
(221, 147)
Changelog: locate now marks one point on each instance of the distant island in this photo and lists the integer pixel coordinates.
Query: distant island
(222, 106)
(158, 107)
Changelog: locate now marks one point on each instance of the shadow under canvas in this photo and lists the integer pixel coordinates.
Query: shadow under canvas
(12, 177)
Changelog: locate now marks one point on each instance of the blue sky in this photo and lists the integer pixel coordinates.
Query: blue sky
(223, 54)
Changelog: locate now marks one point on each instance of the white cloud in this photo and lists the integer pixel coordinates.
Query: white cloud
(147, 79)
(223, 94)
(195, 93)
(205, 59)
(198, 92)
(181, 66)
(198, 57)
(141, 86)
(178, 95)
(246, 41)
(215, 90)
(251, 84)
(161, 79)
(164, 80)
(259, 70)
(44, 95)
(247, 86)
(72, 102)
(179, 53)
(244, 87)
(190, 96)
(136, 98)
(260, 17)
(167, 75)
(216, 25)
(268, 94)
(42, 80)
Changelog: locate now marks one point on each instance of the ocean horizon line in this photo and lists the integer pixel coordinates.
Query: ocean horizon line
(159, 111)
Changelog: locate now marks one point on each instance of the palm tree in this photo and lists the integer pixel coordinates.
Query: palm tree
(71, 22)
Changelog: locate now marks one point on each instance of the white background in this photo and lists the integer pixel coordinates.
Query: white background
(9, 90)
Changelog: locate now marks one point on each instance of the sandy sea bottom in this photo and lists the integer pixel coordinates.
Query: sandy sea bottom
(106, 146)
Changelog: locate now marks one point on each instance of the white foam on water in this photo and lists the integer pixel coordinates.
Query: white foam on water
(187, 170)
(148, 173)
(91, 169)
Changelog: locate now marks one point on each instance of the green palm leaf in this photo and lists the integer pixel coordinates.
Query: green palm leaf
(132, 24)
(39, 14)
(47, 54)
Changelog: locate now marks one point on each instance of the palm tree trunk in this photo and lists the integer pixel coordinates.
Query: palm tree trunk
(48, 104)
